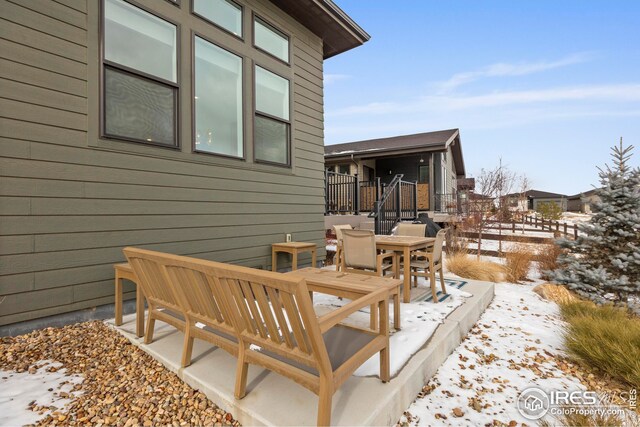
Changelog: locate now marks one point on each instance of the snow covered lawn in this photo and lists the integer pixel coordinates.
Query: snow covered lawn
(511, 348)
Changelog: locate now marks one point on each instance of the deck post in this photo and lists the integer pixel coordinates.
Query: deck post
(356, 192)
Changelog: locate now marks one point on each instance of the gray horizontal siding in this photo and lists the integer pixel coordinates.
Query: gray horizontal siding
(68, 207)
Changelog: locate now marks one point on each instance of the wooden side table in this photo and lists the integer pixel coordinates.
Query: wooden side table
(124, 271)
(293, 248)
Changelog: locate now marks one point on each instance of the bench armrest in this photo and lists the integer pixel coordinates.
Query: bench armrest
(329, 320)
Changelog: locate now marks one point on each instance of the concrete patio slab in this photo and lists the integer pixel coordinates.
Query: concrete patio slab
(275, 400)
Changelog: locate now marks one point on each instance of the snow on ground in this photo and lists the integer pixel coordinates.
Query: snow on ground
(43, 386)
(574, 217)
(418, 319)
(493, 245)
(509, 350)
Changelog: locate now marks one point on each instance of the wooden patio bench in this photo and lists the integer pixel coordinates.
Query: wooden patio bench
(265, 318)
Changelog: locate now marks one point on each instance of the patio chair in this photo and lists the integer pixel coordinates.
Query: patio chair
(182, 291)
(279, 330)
(408, 229)
(338, 229)
(427, 263)
(360, 255)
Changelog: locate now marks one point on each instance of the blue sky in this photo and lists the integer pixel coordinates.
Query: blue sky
(548, 86)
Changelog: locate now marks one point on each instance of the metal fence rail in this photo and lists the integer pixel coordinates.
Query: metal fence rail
(341, 193)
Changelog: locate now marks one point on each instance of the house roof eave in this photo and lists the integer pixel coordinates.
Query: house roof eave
(325, 19)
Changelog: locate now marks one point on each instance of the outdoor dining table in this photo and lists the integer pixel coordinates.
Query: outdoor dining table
(404, 245)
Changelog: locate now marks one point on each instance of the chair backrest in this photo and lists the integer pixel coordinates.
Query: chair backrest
(407, 229)
(152, 278)
(359, 249)
(192, 283)
(274, 312)
(437, 246)
(339, 229)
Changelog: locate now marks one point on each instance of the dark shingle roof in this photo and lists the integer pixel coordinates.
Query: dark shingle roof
(419, 140)
(537, 194)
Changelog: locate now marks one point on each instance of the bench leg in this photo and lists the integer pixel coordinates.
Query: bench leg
(118, 300)
(241, 373)
(313, 258)
(294, 260)
(325, 397)
(139, 311)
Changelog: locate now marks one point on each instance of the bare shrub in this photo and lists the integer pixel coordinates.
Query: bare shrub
(518, 263)
(548, 259)
(465, 266)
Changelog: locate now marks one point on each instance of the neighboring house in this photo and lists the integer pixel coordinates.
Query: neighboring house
(188, 126)
(434, 160)
(535, 197)
(582, 202)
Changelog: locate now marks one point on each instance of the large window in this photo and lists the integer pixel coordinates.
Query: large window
(226, 14)
(218, 100)
(140, 75)
(271, 125)
(271, 40)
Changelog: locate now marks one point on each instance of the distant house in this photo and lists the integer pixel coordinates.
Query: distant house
(582, 202)
(535, 197)
(434, 160)
(186, 126)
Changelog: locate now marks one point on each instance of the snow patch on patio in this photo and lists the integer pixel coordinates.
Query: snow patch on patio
(41, 387)
(419, 321)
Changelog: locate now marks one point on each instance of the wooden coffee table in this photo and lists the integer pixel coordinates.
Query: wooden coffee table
(352, 286)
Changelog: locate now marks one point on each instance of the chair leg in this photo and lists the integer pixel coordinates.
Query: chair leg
(241, 373)
(188, 345)
(338, 261)
(444, 290)
(325, 397)
(432, 281)
(151, 324)
(415, 277)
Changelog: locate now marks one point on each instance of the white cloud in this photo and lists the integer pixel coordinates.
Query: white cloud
(505, 69)
(332, 78)
(594, 93)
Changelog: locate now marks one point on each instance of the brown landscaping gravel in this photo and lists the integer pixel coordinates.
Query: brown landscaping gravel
(122, 385)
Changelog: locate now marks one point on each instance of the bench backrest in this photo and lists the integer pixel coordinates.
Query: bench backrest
(192, 282)
(152, 278)
(274, 312)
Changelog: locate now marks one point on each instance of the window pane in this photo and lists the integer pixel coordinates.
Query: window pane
(218, 92)
(224, 13)
(424, 174)
(137, 108)
(272, 94)
(271, 40)
(271, 140)
(139, 40)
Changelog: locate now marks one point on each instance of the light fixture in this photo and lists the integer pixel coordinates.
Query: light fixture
(421, 159)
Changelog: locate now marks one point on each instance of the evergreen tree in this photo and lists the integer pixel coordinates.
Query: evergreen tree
(603, 263)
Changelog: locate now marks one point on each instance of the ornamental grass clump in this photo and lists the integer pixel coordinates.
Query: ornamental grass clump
(518, 263)
(465, 266)
(604, 337)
